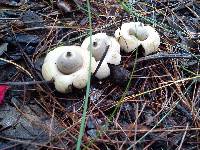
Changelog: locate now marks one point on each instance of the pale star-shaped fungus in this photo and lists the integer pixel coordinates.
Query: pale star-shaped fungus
(67, 66)
(133, 34)
(100, 41)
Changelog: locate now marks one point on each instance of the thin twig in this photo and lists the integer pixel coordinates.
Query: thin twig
(25, 83)
(182, 140)
(102, 58)
(164, 55)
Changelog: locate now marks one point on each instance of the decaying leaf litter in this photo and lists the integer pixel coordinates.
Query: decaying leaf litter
(159, 110)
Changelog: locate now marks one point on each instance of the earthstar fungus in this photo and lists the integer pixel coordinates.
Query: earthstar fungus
(67, 66)
(133, 34)
(100, 41)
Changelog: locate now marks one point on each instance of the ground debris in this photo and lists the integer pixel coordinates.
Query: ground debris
(158, 109)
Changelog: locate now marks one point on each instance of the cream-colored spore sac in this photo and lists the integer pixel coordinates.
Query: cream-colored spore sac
(68, 66)
(133, 34)
(69, 62)
(100, 42)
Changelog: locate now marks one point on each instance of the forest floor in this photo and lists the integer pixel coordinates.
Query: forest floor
(152, 103)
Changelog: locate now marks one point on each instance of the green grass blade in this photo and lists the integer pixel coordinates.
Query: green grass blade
(81, 132)
(126, 89)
